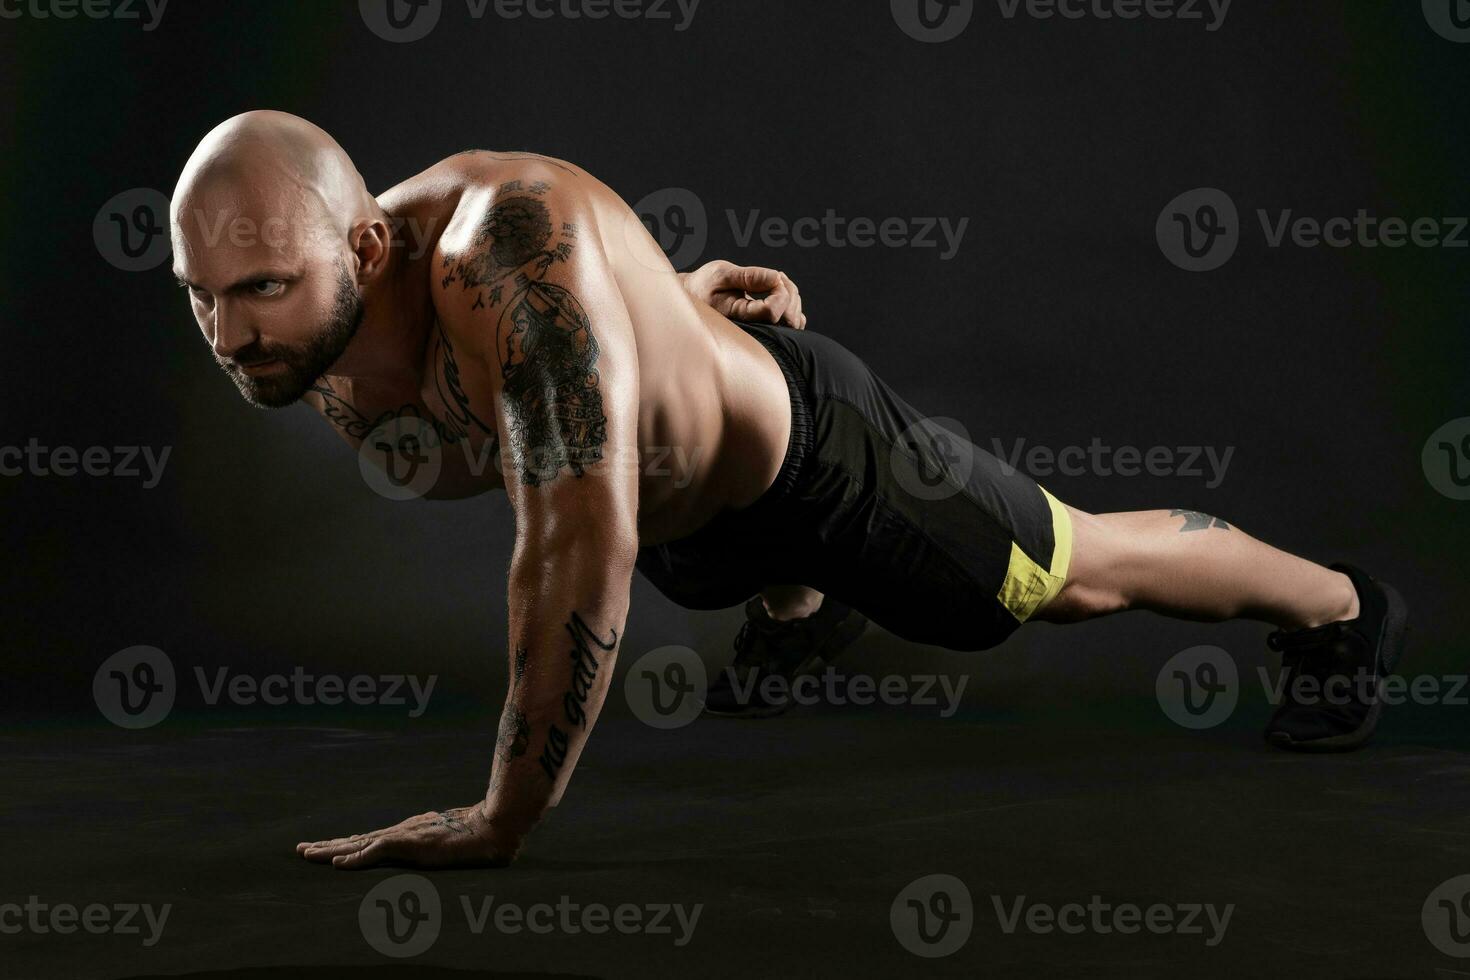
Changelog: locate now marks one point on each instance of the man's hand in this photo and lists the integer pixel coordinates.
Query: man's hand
(458, 838)
(746, 293)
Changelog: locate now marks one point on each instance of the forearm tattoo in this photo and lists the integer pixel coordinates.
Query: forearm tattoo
(543, 338)
(584, 665)
(1196, 521)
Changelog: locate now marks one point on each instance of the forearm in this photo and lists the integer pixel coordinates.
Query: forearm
(568, 607)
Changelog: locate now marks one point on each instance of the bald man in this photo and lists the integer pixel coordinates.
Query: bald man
(530, 319)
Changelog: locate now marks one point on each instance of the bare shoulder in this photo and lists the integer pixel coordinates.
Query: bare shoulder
(518, 229)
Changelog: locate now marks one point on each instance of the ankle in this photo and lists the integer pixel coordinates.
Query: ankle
(786, 611)
(1342, 605)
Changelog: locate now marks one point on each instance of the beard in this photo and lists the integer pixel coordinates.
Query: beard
(300, 366)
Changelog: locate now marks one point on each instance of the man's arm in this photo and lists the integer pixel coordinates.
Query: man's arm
(567, 408)
(529, 295)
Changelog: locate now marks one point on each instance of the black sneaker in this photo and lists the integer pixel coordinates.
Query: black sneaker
(766, 647)
(1348, 660)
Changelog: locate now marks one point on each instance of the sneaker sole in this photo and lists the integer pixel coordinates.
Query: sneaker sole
(842, 637)
(1390, 650)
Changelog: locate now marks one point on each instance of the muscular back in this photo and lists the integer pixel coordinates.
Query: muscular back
(527, 283)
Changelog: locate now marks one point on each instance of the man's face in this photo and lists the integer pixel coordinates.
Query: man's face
(273, 299)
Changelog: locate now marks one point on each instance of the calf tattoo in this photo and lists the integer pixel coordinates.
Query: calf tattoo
(543, 337)
(1196, 521)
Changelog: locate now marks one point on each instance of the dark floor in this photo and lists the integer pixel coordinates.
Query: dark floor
(796, 835)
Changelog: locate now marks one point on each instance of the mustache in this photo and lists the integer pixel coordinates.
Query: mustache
(256, 353)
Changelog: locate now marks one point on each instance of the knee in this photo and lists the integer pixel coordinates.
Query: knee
(1079, 600)
(1097, 579)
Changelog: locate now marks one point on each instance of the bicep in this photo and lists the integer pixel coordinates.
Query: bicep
(560, 349)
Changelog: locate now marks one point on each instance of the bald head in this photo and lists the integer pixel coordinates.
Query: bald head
(271, 223)
(268, 167)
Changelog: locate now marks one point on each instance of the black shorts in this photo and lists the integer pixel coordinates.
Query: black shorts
(880, 507)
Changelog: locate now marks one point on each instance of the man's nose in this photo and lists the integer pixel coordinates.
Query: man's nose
(231, 332)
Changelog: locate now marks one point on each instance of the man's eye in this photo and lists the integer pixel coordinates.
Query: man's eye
(267, 287)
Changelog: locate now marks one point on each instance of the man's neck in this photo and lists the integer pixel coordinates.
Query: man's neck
(398, 319)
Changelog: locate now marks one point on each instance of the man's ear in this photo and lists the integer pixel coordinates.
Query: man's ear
(370, 240)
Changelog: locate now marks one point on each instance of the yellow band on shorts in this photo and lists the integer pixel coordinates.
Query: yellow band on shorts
(1028, 586)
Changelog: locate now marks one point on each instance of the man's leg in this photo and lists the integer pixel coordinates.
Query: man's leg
(785, 602)
(1193, 566)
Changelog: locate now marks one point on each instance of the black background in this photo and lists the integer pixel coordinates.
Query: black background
(1058, 321)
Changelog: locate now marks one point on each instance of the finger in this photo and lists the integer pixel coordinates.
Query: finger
(793, 315)
(750, 278)
(753, 310)
(323, 854)
(305, 846)
(378, 851)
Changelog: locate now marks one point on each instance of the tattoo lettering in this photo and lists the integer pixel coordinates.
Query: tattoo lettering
(520, 667)
(555, 752)
(452, 394)
(345, 416)
(584, 669)
(1196, 521)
